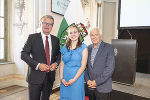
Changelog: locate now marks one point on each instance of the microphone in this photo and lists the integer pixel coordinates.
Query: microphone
(129, 34)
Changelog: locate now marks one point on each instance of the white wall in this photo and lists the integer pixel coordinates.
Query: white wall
(109, 12)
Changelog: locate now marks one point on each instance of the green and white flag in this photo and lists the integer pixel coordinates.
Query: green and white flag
(73, 14)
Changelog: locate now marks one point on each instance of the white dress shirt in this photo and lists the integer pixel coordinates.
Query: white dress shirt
(50, 46)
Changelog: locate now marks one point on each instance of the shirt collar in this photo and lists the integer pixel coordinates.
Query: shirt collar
(97, 45)
(43, 35)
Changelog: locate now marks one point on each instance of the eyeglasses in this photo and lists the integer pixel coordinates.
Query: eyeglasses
(45, 23)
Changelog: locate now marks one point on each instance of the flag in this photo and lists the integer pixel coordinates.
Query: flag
(74, 14)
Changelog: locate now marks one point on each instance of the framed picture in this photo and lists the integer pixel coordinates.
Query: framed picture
(60, 6)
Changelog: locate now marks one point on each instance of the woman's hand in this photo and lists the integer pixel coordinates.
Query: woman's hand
(64, 82)
(71, 81)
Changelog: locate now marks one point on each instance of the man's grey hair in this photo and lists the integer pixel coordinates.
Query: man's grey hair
(47, 16)
(95, 28)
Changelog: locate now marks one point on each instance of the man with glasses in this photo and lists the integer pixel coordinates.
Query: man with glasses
(41, 53)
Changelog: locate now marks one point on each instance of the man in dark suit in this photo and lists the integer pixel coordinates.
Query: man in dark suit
(41, 53)
(100, 66)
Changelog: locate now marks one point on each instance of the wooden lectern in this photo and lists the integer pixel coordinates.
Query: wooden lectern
(125, 60)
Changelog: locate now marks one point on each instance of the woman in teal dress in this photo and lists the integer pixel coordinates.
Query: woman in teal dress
(73, 63)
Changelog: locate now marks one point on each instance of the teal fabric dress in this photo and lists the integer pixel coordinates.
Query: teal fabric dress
(72, 63)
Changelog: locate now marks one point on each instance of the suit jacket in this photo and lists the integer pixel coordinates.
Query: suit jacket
(33, 53)
(103, 67)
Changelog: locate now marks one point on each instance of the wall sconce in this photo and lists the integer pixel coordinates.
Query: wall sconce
(20, 7)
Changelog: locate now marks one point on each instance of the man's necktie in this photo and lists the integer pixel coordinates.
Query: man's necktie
(47, 51)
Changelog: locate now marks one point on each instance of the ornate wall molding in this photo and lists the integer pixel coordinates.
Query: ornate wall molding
(19, 12)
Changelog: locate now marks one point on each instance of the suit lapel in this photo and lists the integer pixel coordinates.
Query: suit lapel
(41, 45)
(53, 44)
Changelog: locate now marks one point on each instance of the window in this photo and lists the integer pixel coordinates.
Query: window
(3, 33)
